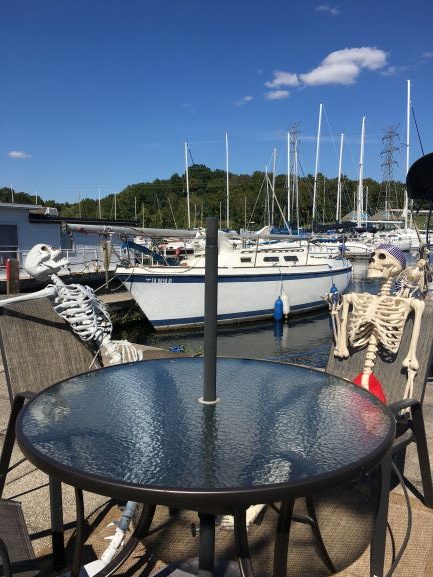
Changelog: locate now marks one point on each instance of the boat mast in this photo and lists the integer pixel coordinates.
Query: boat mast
(99, 203)
(268, 200)
(296, 181)
(288, 180)
(408, 106)
(227, 184)
(340, 163)
(361, 176)
(366, 205)
(313, 219)
(187, 185)
(274, 154)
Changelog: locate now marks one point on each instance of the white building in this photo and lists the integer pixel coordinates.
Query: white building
(24, 225)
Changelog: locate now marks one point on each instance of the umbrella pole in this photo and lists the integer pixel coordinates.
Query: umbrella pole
(210, 311)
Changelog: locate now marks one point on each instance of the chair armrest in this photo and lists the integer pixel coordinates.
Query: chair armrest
(25, 395)
(396, 407)
(403, 440)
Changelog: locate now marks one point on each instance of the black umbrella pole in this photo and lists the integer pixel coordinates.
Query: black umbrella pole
(210, 310)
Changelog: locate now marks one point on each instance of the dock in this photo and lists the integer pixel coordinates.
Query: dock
(172, 537)
(117, 300)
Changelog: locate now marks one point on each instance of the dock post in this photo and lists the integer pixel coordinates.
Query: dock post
(12, 276)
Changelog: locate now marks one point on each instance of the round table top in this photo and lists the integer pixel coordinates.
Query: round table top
(138, 431)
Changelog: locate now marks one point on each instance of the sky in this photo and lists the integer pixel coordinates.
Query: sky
(99, 94)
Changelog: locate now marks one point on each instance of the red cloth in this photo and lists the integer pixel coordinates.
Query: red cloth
(374, 386)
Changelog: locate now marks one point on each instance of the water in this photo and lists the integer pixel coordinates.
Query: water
(304, 339)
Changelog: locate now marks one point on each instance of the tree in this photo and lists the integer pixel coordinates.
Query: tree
(162, 202)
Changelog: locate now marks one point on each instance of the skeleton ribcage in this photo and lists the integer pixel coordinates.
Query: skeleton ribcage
(381, 316)
(88, 317)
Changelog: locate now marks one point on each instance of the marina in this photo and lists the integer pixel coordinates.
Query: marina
(216, 290)
(304, 340)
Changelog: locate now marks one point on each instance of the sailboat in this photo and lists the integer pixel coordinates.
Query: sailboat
(351, 247)
(249, 281)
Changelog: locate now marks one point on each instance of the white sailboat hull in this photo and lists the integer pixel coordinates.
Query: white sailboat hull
(173, 297)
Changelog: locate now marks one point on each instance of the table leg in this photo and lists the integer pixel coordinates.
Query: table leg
(377, 553)
(318, 535)
(206, 555)
(282, 538)
(77, 559)
(242, 548)
(57, 529)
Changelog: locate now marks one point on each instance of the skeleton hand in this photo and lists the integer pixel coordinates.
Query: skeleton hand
(341, 351)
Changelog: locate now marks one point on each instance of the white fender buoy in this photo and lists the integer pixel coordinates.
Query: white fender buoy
(286, 305)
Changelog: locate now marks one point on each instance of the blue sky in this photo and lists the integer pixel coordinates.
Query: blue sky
(99, 94)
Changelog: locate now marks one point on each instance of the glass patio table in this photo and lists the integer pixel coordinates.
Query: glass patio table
(138, 432)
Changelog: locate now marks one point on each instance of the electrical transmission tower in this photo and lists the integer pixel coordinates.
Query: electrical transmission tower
(391, 144)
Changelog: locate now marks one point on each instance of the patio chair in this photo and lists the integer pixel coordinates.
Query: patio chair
(17, 557)
(410, 427)
(16, 551)
(390, 372)
(38, 349)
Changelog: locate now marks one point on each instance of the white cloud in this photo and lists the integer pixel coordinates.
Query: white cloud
(333, 10)
(344, 66)
(188, 108)
(243, 100)
(393, 70)
(283, 79)
(339, 67)
(18, 154)
(344, 73)
(277, 94)
(365, 57)
(427, 55)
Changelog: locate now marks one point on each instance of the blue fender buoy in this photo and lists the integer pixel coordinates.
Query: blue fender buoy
(278, 331)
(278, 309)
(334, 294)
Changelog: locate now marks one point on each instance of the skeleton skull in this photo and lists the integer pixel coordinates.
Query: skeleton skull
(43, 261)
(385, 262)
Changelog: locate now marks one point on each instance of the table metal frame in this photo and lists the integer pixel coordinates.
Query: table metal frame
(209, 503)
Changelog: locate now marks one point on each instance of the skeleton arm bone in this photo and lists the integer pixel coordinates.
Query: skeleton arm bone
(341, 349)
(411, 362)
(50, 291)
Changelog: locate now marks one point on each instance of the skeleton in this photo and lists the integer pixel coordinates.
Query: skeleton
(379, 320)
(415, 280)
(89, 319)
(76, 304)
